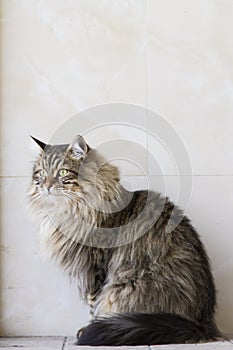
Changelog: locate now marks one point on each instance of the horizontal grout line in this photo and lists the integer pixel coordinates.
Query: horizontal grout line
(14, 177)
(134, 175)
(177, 175)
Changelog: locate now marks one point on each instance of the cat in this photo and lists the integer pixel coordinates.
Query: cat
(145, 284)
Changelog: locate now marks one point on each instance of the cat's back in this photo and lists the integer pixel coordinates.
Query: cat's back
(166, 268)
(162, 230)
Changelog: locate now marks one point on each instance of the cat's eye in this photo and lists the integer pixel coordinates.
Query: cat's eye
(43, 173)
(62, 172)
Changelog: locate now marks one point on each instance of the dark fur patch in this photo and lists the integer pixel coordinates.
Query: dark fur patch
(144, 329)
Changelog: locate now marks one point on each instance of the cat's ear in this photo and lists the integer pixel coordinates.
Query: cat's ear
(41, 144)
(78, 147)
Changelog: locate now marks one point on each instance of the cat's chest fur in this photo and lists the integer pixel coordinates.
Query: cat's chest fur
(61, 234)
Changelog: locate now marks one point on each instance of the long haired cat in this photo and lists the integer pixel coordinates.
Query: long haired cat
(136, 259)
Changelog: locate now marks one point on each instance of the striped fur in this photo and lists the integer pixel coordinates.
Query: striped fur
(115, 244)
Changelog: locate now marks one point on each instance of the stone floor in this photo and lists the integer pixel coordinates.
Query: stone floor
(67, 343)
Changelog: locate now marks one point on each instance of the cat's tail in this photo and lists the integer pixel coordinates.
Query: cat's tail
(145, 329)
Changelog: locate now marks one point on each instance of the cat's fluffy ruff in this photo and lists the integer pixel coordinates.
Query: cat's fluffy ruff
(158, 272)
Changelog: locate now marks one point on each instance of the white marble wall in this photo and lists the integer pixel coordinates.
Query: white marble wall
(60, 57)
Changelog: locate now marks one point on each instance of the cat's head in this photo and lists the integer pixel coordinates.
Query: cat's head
(57, 168)
(72, 173)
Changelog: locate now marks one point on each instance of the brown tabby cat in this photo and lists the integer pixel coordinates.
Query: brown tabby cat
(137, 261)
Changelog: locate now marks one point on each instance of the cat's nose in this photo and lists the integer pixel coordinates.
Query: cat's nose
(49, 185)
